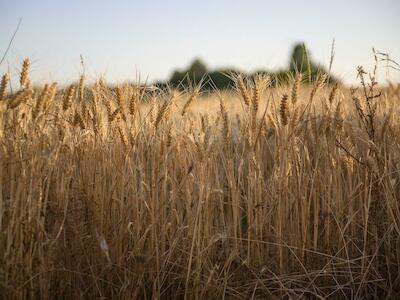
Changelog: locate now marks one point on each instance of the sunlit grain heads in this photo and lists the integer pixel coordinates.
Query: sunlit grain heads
(120, 96)
(3, 86)
(295, 88)
(81, 87)
(122, 135)
(78, 120)
(169, 136)
(113, 115)
(204, 121)
(163, 112)
(24, 75)
(107, 104)
(95, 106)
(283, 111)
(45, 99)
(225, 121)
(317, 85)
(240, 85)
(51, 95)
(121, 101)
(95, 94)
(294, 118)
(69, 96)
(192, 97)
(133, 103)
(151, 113)
(204, 191)
(332, 94)
(22, 96)
(256, 97)
(40, 101)
(338, 116)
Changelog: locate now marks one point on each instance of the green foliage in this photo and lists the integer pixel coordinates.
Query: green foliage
(197, 73)
(301, 62)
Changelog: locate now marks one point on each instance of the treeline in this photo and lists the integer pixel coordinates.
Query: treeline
(198, 73)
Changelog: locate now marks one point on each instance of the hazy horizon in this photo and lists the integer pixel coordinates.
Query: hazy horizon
(122, 39)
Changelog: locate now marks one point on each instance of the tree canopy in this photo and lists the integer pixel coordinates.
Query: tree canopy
(300, 61)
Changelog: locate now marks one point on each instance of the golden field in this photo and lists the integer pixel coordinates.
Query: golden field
(258, 193)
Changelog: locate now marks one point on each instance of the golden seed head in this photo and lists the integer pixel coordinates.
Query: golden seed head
(332, 94)
(225, 121)
(113, 115)
(23, 80)
(78, 120)
(191, 99)
(20, 97)
(295, 88)
(69, 97)
(81, 87)
(3, 86)
(243, 90)
(133, 102)
(284, 110)
(41, 100)
(163, 113)
(122, 136)
(256, 97)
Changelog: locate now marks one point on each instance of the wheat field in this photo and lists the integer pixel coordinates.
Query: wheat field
(262, 192)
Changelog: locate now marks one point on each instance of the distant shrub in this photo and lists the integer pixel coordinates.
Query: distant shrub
(299, 62)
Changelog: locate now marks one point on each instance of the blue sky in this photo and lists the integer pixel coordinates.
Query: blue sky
(120, 39)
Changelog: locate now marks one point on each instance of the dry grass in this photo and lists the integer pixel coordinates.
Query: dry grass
(266, 193)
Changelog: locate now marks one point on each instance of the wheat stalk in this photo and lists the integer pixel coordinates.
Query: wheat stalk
(68, 98)
(192, 98)
(3, 86)
(164, 111)
(284, 110)
(295, 89)
(243, 90)
(23, 79)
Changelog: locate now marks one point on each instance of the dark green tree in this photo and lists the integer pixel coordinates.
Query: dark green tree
(299, 59)
(192, 75)
(301, 62)
(197, 69)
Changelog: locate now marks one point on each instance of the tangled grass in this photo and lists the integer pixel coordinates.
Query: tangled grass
(265, 193)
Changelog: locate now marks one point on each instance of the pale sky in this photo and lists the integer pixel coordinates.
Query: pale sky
(120, 39)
